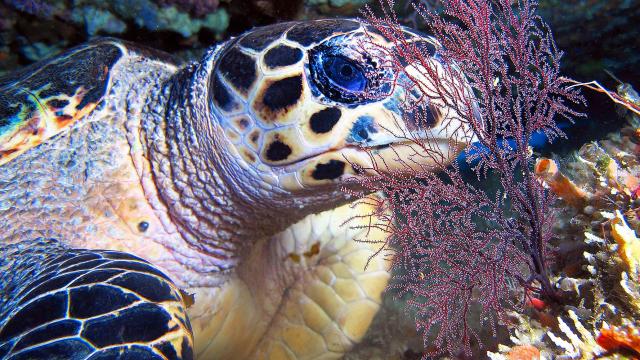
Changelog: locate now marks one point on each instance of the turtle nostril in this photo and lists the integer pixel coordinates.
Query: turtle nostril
(361, 130)
(363, 134)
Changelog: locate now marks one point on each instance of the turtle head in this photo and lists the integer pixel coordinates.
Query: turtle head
(303, 105)
(285, 114)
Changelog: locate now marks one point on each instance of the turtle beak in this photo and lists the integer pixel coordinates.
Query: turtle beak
(417, 130)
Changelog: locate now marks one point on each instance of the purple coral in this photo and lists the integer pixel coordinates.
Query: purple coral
(458, 246)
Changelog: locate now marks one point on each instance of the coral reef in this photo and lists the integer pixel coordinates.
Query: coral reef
(26, 32)
(462, 254)
(113, 17)
(199, 8)
(598, 251)
(578, 24)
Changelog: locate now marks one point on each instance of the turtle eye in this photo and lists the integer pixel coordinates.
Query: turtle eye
(337, 77)
(343, 73)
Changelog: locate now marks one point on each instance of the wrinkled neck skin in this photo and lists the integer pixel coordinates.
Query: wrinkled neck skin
(219, 204)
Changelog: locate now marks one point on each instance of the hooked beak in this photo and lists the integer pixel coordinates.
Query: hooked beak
(420, 131)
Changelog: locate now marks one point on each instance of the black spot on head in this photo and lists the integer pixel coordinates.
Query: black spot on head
(329, 171)
(260, 38)
(310, 32)
(436, 115)
(249, 156)
(143, 226)
(361, 129)
(423, 117)
(278, 151)
(220, 95)
(283, 93)
(324, 120)
(243, 123)
(254, 137)
(282, 55)
(238, 68)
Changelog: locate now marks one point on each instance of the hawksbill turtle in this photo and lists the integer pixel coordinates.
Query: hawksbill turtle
(157, 211)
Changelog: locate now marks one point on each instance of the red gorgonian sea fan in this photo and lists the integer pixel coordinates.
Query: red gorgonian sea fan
(456, 246)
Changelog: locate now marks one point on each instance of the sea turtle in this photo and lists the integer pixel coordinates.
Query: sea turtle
(156, 211)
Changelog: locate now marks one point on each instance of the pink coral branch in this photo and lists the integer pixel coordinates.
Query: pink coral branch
(456, 245)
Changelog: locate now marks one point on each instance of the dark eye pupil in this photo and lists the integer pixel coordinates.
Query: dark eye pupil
(344, 74)
(346, 70)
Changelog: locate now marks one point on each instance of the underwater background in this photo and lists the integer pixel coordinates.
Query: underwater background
(600, 39)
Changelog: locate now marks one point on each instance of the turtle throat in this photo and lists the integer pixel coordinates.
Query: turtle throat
(217, 206)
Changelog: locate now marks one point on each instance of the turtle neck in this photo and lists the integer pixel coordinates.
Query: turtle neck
(217, 205)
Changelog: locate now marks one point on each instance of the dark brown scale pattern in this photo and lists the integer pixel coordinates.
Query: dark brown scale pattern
(311, 32)
(278, 97)
(282, 55)
(324, 120)
(121, 299)
(239, 69)
(260, 38)
(278, 151)
(330, 170)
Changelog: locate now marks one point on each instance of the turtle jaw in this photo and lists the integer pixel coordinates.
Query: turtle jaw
(333, 168)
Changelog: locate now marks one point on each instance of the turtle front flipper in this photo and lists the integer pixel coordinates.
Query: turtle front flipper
(306, 293)
(65, 303)
(47, 98)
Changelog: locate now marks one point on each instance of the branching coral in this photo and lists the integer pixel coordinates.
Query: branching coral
(459, 247)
